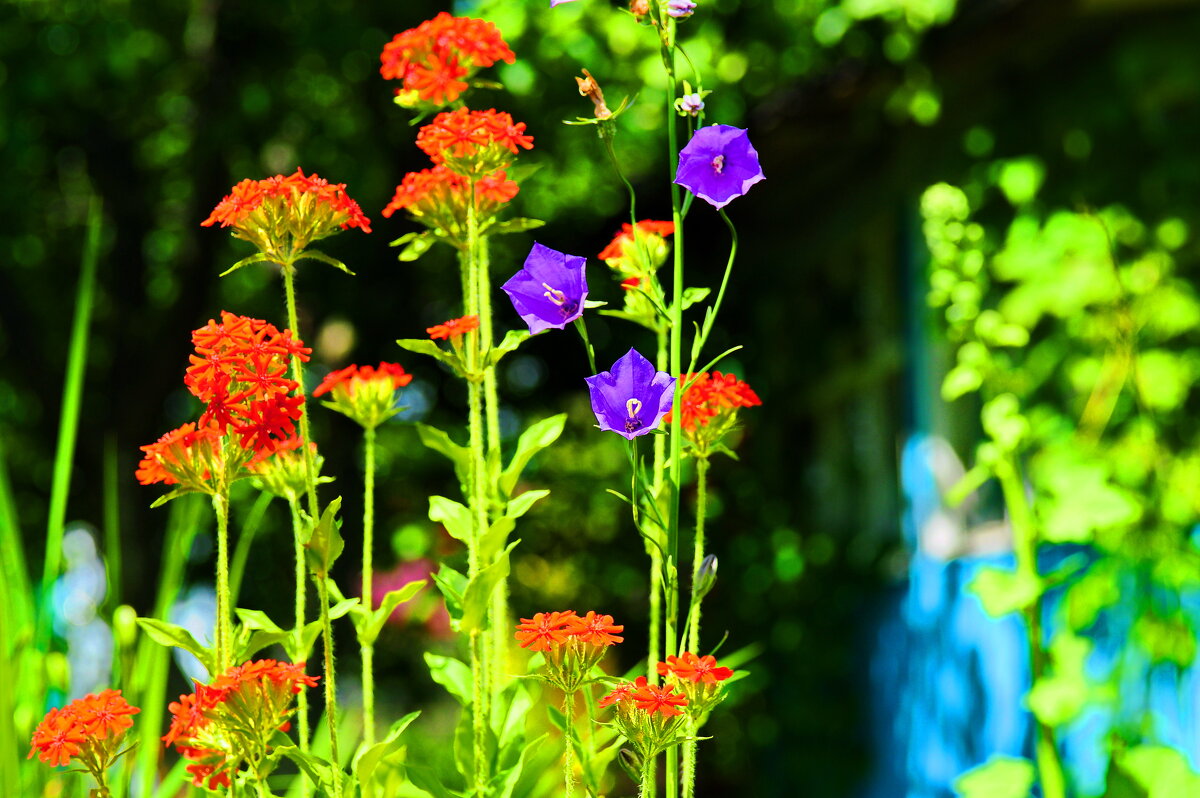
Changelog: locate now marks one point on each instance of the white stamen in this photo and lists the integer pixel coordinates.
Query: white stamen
(554, 295)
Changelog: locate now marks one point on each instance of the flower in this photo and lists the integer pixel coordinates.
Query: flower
(709, 406)
(473, 142)
(718, 164)
(632, 399)
(90, 728)
(649, 716)
(690, 104)
(699, 679)
(549, 290)
(453, 328)
(438, 198)
(652, 698)
(680, 9)
(282, 471)
(434, 59)
(231, 721)
(185, 456)
(623, 252)
(283, 215)
(365, 394)
(572, 644)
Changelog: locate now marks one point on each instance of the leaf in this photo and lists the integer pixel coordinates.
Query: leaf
(257, 258)
(170, 635)
(512, 340)
(368, 631)
(166, 497)
(425, 346)
(999, 777)
(342, 607)
(520, 505)
(452, 674)
(1163, 772)
(256, 642)
(517, 225)
(256, 619)
(477, 597)
(961, 380)
(455, 516)
(324, 543)
(1001, 592)
(299, 643)
(425, 779)
(532, 441)
(312, 254)
(415, 245)
(452, 584)
(440, 441)
(495, 538)
(317, 770)
(368, 759)
(693, 295)
(504, 782)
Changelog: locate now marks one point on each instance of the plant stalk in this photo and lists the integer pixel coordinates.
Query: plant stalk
(331, 711)
(368, 583)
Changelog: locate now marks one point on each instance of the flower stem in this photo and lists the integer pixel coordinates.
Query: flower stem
(568, 729)
(331, 711)
(656, 584)
(478, 718)
(649, 787)
(300, 601)
(1025, 548)
(689, 762)
(310, 477)
(711, 317)
(224, 656)
(698, 556)
(368, 595)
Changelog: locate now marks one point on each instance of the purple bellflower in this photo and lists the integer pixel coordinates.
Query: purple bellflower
(632, 399)
(719, 164)
(549, 290)
(553, 3)
(680, 9)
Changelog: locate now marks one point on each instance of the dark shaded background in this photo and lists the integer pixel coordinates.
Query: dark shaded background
(160, 108)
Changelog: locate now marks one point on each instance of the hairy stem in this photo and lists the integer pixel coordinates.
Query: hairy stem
(310, 476)
(331, 710)
(368, 586)
(224, 656)
(698, 555)
(568, 731)
(300, 600)
(478, 717)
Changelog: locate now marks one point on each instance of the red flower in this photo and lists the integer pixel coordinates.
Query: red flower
(545, 630)
(616, 247)
(622, 692)
(357, 376)
(88, 727)
(713, 395)
(688, 667)
(465, 134)
(324, 203)
(453, 328)
(597, 630)
(432, 58)
(652, 698)
(181, 455)
(630, 283)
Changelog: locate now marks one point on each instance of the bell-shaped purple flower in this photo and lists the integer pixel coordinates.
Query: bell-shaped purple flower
(549, 290)
(719, 164)
(632, 399)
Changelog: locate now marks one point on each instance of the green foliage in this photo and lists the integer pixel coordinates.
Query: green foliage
(999, 777)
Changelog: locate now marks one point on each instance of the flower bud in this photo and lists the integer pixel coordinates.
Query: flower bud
(631, 762)
(706, 577)
(690, 104)
(639, 8)
(680, 9)
(125, 626)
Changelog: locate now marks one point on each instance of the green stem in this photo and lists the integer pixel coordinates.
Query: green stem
(331, 710)
(648, 787)
(310, 476)
(224, 653)
(301, 598)
(568, 730)
(112, 523)
(241, 552)
(368, 584)
(711, 317)
(68, 421)
(478, 716)
(656, 583)
(1025, 547)
(676, 472)
(698, 556)
(689, 763)
(581, 327)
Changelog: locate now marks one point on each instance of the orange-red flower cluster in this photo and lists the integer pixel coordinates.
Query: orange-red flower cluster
(433, 58)
(439, 196)
(648, 697)
(310, 195)
(688, 667)
(230, 721)
(453, 328)
(711, 396)
(89, 728)
(619, 247)
(364, 393)
(466, 135)
(239, 371)
(352, 377)
(548, 630)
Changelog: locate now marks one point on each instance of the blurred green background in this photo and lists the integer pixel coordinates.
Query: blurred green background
(855, 107)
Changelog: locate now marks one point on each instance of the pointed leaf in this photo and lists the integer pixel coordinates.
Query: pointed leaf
(257, 258)
(517, 225)
(425, 346)
(532, 441)
(452, 585)
(505, 782)
(369, 631)
(693, 295)
(452, 674)
(425, 779)
(440, 441)
(496, 537)
(312, 254)
(256, 619)
(521, 504)
(478, 594)
(512, 340)
(324, 543)
(368, 758)
(415, 245)
(316, 769)
(455, 516)
(169, 634)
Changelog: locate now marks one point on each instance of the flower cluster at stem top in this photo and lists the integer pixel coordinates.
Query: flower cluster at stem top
(572, 644)
(364, 393)
(89, 728)
(435, 60)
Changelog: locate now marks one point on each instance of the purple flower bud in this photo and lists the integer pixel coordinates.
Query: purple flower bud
(549, 290)
(553, 3)
(691, 104)
(719, 164)
(632, 399)
(680, 9)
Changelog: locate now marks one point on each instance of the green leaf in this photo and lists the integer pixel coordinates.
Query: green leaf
(369, 629)
(999, 777)
(312, 254)
(257, 258)
(517, 225)
(440, 441)
(520, 505)
(324, 544)
(477, 597)
(532, 441)
(168, 634)
(1163, 772)
(425, 779)
(452, 585)
(504, 782)
(368, 758)
(415, 245)
(316, 769)
(342, 607)
(425, 346)
(299, 643)
(451, 674)
(256, 619)
(249, 645)
(455, 516)
(693, 295)
(512, 340)
(495, 538)
(1001, 592)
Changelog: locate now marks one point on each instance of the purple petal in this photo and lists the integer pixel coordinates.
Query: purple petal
(719, 164)
(548, 273)
(632, 377)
